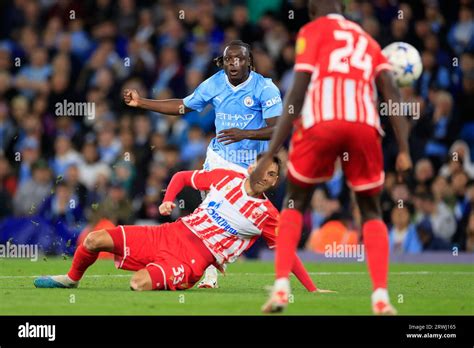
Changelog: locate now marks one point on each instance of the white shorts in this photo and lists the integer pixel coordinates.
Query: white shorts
(214, 161)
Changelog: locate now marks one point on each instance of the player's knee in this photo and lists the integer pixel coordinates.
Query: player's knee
(94, 240)
(141, 281)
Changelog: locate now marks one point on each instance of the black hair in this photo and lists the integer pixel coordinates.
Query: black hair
(275, 160)
(219, 61)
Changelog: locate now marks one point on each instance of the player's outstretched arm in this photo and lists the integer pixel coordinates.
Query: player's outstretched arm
(197, 179)
(388, 87)
(302, 274)
(177, 183)
(165, 106)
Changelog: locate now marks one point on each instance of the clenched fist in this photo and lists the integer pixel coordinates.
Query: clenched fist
(131, 97)
(166, 208)
(403, 165)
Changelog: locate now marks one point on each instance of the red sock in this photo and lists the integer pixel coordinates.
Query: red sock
(376, 246)
(289, 232)
(83, 258)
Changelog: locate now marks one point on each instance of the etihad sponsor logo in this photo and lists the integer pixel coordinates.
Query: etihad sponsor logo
(234, 117)
(212, 208)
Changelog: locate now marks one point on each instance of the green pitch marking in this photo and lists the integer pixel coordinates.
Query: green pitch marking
(415, 289)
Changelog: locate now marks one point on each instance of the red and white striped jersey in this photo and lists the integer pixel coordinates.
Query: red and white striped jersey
(229, 221)
(343, 61)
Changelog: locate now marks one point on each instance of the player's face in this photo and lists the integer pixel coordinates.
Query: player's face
(236, 64)
(269, 179)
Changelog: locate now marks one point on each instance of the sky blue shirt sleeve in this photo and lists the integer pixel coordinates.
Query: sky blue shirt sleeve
(270, 100)
(201, 96)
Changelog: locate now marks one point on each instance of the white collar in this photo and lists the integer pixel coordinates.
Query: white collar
(335, 16)
(239, 86)
(250, 197)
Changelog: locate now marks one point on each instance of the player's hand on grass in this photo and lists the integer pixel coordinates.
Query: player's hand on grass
(231, 135)
(166, 208)
(403, 165)
(131, 97)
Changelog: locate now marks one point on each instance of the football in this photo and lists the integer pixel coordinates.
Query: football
(406, 62)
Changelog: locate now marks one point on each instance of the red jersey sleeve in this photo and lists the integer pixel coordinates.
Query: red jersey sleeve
(307, 48)
(269, 230)
(203, 180)
(199, 180)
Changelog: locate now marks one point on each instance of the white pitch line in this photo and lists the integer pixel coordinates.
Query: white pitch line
(263, 274)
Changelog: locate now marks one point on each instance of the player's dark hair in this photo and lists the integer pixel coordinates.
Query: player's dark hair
(219, 61)
(275, 159)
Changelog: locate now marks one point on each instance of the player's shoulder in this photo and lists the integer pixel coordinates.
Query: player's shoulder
(216, 79)
(319, 24)
(222, 172)
(264, 84)
(271, 209)
(349, 24)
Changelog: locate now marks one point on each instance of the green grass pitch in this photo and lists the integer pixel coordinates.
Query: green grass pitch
(414, 289)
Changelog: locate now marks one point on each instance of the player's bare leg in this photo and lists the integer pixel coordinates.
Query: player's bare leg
(86, 254)
(141, 281)
(289, 233)
(375, 235)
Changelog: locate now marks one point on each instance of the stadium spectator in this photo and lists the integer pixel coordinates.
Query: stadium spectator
(109, 145)
(74, 184)
(436, 148)
(90, 167)
(403, 236)
(429, 241)
(33, 192)
(115, 206)
(63, 208)
(460, 153)
(195, 146)
(65, 156)
(461, 35)
(33, 78)
(29, 154)
(441, 220)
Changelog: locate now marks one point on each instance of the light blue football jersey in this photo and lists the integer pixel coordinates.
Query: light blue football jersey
(245, 106)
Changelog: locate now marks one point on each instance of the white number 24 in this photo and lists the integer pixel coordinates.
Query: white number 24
(341, 59)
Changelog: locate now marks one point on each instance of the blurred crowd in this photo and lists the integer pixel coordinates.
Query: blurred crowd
(65, 172)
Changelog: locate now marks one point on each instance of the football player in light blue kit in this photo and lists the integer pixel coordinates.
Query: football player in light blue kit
(246, 105)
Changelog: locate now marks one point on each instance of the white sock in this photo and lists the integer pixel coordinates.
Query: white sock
(380, 294)
(64, 279)
(211, 272)
(282, 283)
